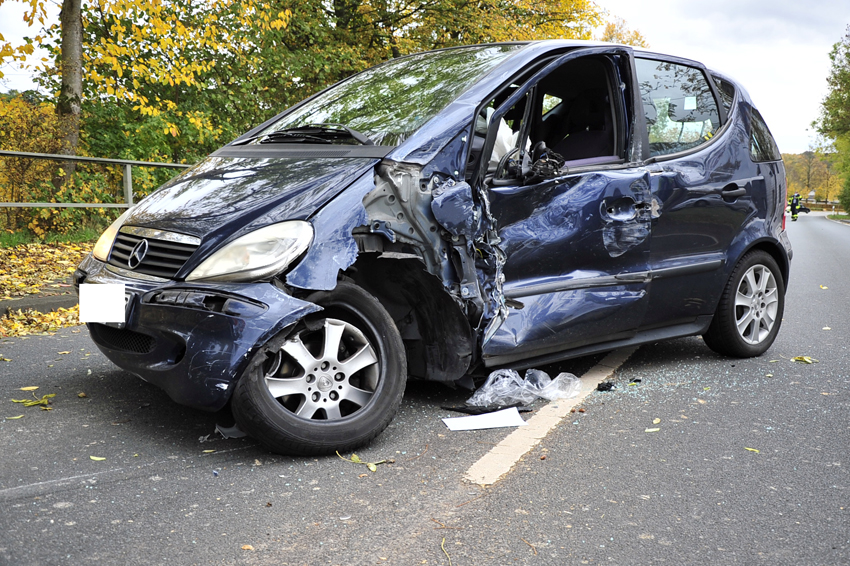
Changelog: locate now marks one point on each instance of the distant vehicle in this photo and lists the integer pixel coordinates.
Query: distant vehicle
(442, 214)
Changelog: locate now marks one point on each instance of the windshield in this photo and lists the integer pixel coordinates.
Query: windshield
(389, 102)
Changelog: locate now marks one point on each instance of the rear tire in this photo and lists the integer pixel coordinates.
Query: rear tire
(750, 311)
(331, 383)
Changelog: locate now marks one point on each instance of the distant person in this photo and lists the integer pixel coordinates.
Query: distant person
(795, 206)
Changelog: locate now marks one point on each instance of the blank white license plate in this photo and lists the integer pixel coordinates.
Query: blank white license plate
(105, 303)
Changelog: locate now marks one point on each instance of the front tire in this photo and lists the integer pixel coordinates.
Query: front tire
(750, 311)
(331, 383)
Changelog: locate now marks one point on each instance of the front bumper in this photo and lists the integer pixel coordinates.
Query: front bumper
(191, 340)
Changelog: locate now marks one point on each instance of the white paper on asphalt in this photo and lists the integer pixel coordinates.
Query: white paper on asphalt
(498, 419)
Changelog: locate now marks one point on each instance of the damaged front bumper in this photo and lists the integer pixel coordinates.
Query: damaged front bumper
(191, 340)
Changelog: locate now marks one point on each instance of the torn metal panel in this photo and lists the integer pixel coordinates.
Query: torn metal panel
(334, 248)
(399, 209)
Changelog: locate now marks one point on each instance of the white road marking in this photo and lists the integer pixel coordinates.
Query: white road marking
(494, 465)
(40, 487)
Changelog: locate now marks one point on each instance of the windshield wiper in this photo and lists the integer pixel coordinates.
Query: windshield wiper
(311, 133)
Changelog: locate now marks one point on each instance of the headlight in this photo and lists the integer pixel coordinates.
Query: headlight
(104, 243)
(257, 255)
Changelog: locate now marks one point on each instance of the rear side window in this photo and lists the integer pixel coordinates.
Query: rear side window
(727, 92)
(681, 112)
(762, 145)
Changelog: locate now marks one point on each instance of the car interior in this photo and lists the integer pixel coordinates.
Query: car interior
(572, 122)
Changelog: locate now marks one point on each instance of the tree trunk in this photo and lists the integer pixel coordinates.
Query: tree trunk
(71, 92)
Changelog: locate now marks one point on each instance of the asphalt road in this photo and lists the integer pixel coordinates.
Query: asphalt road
(749, 465)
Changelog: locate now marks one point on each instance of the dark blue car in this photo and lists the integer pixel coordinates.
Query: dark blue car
(442, 214)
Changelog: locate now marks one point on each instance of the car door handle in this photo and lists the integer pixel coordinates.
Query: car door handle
(733, 193)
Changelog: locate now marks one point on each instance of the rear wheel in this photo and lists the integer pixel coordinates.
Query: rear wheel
(750, 311)
(334, 382)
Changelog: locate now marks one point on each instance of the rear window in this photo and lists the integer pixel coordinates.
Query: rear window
(680, 109)
(762, 145)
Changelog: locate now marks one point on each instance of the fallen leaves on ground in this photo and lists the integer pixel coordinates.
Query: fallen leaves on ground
(804, 360)
(36, 402)
(373, 466)
(31, 268)
(29, 321)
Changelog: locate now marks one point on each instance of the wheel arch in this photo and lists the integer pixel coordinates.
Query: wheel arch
(775, 250)
(438, 339)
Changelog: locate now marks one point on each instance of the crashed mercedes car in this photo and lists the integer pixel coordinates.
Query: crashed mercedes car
(441, 214)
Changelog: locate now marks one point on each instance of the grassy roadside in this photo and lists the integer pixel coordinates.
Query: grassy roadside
(841, 217)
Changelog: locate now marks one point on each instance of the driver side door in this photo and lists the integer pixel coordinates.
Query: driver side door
(574, 227)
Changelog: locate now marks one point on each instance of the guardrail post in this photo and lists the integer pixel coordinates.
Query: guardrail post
(128, 184)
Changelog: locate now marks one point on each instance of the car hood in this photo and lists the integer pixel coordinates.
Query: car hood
(223, 195)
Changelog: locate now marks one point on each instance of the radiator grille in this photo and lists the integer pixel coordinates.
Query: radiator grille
(162, 258)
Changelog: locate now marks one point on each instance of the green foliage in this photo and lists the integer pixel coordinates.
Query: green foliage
(835, 109)
(173, 81)
(844, 195)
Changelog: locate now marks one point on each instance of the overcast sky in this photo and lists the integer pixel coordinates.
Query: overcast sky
(778, 49)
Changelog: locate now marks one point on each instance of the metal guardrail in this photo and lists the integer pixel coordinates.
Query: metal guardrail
(128, 179)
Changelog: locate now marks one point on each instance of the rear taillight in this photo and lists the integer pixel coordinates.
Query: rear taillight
(784, 201)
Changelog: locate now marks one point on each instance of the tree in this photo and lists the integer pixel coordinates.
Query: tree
(174, 80)
(616, 31)
(71, 89)
(844, 196)
(835, 108)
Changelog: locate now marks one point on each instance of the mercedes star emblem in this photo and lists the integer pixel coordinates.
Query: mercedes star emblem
(138, 254)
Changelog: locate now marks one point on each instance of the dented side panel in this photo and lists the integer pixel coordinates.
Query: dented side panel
(577, 258)
(549, 321)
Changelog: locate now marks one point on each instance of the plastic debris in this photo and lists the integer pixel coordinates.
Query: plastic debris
(505, 387)
(605, 386)
(229, 431)
(804, 360)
